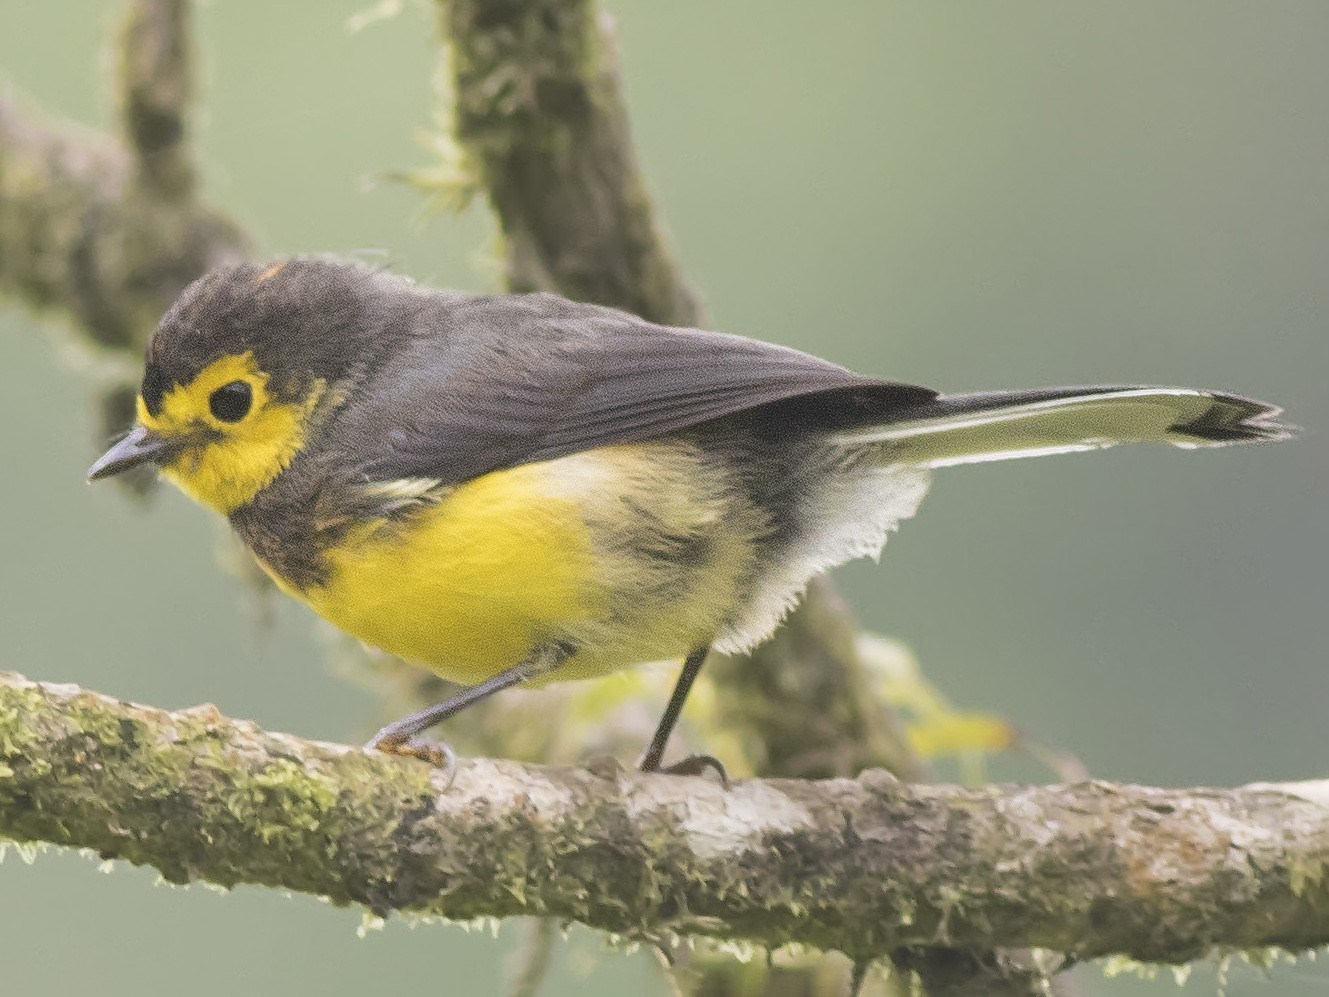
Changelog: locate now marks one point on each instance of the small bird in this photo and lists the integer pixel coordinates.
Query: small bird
(519, 488)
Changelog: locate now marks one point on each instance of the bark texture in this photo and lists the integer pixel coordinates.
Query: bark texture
(863, 865)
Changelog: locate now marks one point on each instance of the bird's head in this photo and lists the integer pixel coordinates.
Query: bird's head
(244, 366)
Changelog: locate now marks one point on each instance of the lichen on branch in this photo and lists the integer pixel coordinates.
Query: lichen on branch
(107, 227)
(863, 865)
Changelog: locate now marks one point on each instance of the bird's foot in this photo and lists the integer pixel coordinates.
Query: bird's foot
(692, 765)
(437, 753)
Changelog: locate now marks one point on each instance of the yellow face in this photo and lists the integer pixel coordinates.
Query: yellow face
(233, 436)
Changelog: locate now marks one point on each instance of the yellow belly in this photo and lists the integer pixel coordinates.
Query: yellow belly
(472, 585)
(576, 549)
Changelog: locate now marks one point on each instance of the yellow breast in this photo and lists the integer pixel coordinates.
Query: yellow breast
(470, 585)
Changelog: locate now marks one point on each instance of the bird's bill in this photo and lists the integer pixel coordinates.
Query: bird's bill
(140, 446)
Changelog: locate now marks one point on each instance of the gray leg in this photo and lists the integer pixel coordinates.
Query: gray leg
(399, 738)
(693, 764)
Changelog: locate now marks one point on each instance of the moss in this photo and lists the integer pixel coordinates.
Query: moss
(20, 703)
(282, 800)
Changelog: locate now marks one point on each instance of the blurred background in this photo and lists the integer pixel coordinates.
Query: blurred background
(967, 196)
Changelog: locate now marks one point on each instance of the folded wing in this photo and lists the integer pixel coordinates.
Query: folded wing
(534, 377)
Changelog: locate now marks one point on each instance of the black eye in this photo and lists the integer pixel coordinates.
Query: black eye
(230, 402)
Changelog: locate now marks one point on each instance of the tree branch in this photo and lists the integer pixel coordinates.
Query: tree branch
(106, 228)
(540, 112)
(864, 865)
(154, 83)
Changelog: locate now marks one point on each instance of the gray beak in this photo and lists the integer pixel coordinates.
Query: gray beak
(140, 446)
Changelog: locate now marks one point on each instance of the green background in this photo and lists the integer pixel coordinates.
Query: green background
(964, 195)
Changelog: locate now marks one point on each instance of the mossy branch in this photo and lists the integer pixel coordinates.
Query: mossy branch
(154, 82)
(541, 117)
(863, 865)
(105, 227)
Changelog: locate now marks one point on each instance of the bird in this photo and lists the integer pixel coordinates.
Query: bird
(512, 489)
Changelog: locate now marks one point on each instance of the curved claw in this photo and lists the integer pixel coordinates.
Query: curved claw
(694, 765)
(437, 753)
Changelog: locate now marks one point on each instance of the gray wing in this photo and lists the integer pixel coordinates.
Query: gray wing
(493, 382)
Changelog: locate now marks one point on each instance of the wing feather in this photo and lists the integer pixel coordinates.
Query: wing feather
(492, 382)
